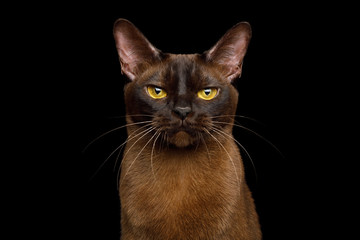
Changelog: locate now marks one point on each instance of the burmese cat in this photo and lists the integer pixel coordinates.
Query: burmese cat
(182, 175)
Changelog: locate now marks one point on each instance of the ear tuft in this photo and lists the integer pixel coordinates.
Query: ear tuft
(133, 48)
(230, 50)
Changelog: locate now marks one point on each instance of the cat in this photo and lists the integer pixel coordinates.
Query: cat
(182, 175)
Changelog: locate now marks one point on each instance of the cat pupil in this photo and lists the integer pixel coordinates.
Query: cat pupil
(157, 90)
(207, 91)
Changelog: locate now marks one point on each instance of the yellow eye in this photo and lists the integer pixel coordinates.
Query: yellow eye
(207, 93)
(156, 92)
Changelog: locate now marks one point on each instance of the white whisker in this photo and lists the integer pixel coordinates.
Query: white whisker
(207, 150)
(152, 152)
(239, 116)
(118, 149)
(145, 132)
(129, 138)
(232, 162)
(133, 115)
(242, 147)
(252, 131)
(138, 153)
(112, 130)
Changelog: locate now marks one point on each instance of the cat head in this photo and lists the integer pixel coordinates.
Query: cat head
(184, 98)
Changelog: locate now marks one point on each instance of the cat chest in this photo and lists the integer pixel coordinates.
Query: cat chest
(178, 199)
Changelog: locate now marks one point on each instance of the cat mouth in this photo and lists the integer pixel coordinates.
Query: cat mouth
(182, 135)
(181, 139)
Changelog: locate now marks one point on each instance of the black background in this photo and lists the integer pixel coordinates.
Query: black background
(78, 96)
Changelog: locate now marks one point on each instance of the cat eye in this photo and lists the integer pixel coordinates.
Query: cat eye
(207, 93)
(156, 92)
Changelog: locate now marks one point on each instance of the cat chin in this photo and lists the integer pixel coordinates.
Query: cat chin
(182, 139)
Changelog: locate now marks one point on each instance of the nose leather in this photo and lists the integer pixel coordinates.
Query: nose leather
(182, 112)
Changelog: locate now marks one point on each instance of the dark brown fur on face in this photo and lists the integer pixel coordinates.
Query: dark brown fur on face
(182, 175)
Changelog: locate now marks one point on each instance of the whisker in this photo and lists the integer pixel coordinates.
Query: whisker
(114, 151)
(138, 154)
(239, 116)
(118, 157)
(232, 162)
(129, 138)
(132, 115)
(241, 146)
(112, 130)
(152, 151)
(203, 140)
(147, 131)
(257, 134)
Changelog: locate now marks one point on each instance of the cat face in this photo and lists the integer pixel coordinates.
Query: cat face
(183, 98)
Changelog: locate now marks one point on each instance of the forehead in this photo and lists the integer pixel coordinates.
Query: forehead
(182, 72)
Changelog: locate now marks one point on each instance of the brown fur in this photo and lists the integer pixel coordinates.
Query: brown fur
(182, 187)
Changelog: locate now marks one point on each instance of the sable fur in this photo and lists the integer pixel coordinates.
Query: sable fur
(183, 177)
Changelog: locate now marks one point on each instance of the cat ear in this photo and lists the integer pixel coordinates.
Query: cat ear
(230, 50)
(133, 48)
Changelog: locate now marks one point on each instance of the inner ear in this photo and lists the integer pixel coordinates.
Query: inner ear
(230, 50)
(133, 48)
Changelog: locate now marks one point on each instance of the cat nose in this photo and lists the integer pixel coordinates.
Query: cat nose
(182, 112)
